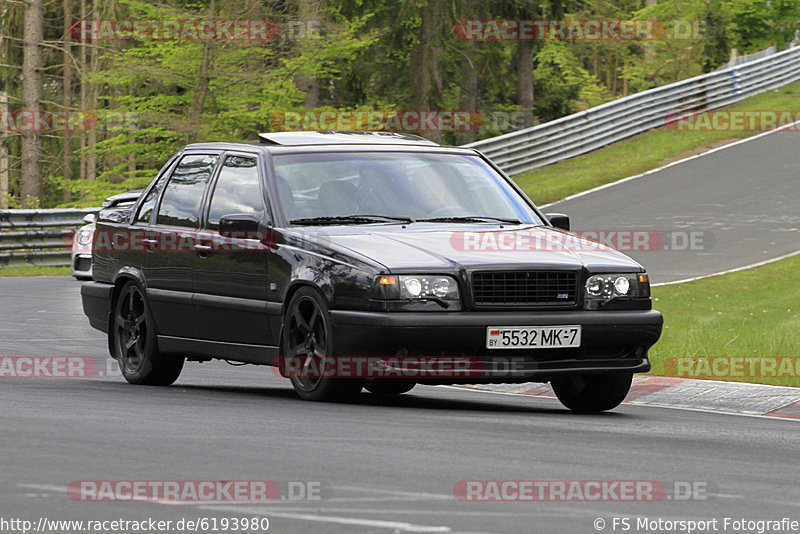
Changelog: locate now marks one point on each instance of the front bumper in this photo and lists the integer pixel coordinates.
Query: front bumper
(611, 341)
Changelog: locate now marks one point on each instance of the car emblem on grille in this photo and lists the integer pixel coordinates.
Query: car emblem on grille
(563, 296)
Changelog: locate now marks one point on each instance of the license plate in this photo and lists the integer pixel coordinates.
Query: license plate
(533, 337)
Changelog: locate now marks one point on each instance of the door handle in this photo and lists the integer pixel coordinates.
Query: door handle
(150, 244)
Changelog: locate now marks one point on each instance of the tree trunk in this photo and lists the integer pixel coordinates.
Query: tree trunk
(91, 156)
(31, 101)
(3, 155)
(469, 57)
(425, 63)
(308, 10)
(67, 95)
(525, 82)
(203, 80)
(649, 49)
(469, 89)
(83, 72)
(131, 121)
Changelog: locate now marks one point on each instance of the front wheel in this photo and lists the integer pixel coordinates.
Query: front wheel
(307, 349)
(134, 344)
(592, 393)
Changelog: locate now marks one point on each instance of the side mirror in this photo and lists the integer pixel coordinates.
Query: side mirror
(89, 218)
(558, 220)
(238, 224)
(246, 226)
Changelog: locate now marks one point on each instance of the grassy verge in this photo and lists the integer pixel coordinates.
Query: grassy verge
(748, 314)
(641, 153)
(30, 270)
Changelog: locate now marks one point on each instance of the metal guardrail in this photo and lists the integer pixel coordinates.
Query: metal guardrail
(594, 128)
(38, 237)
(738, 60)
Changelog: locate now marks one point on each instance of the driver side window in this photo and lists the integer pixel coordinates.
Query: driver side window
(237, 190)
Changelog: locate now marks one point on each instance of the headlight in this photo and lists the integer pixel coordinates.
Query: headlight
(394, 287)
(84, 237)
(605, 286)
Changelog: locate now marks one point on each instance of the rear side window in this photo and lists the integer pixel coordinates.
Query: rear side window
(180, 205)
(237, 190)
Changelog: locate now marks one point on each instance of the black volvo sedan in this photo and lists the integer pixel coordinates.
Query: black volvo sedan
(350, 260)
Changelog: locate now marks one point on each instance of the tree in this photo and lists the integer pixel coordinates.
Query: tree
(3, 153)
(424, 61)
(67, 94)
(32, 97)
(758, 25)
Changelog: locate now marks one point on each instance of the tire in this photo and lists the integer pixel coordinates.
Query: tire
(306, 344)
(133, 341)
(592, 393)
(389, 386)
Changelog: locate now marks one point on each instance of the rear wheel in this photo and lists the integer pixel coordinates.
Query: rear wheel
(592, 393)
(389, 386)
(134, 341)
(307, 350)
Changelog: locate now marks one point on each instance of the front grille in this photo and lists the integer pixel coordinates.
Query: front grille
(525, 288)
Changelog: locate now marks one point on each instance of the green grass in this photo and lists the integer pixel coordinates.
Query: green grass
(641, 153)
(30, 270)
(753, 314)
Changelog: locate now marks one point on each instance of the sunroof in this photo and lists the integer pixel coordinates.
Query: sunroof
(342, 137)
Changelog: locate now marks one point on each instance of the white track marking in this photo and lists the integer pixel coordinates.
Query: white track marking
(640, 403)
(684, 160)
(734, 270)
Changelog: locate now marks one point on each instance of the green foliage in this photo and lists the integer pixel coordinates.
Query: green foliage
(563, 85)
(757, 25)
(760, 320)
(154, 96)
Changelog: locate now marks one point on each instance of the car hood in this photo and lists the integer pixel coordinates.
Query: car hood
(421, 247)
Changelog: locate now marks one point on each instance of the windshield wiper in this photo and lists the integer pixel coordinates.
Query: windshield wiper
(470, 219)
(349, 219)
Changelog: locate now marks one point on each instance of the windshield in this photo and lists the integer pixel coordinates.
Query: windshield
(386, 187)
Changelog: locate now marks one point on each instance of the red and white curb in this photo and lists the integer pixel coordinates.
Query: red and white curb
(712, 395)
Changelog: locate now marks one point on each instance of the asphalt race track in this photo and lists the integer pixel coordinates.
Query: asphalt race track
(374, 465)
(391, 465)
(728, 209)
